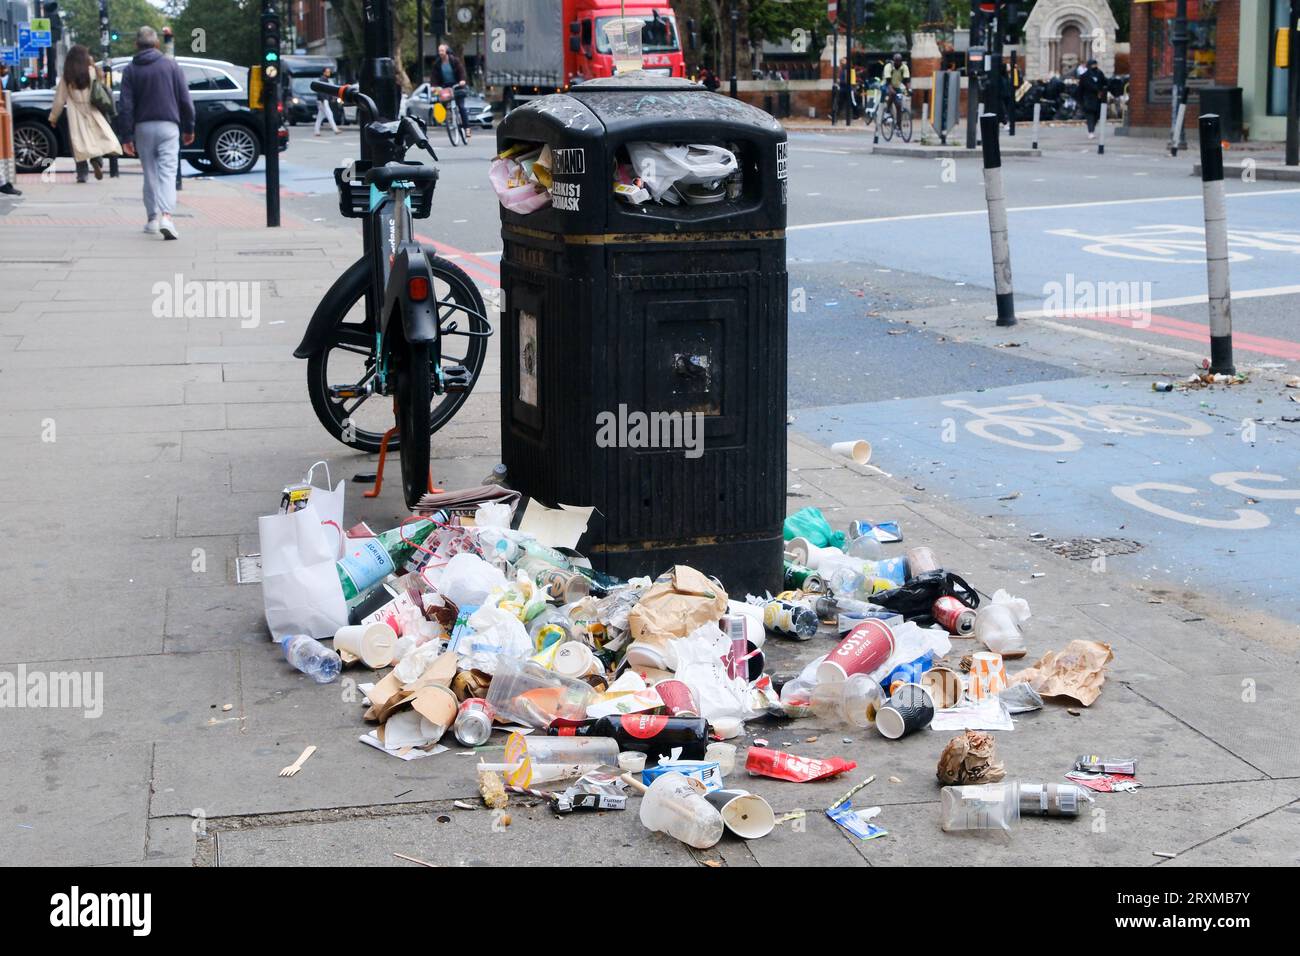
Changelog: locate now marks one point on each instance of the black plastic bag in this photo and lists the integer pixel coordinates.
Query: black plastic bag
(915, 599)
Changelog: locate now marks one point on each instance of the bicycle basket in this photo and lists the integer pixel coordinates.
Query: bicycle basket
(354, 195)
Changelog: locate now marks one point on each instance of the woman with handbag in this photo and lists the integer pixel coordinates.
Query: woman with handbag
(89, 103)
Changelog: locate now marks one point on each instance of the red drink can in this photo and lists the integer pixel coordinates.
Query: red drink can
(678, 699)
(863, 649)
(953, 616)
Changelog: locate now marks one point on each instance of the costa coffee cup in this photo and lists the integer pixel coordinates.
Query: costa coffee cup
(864, 648)
(678, 699)
(745, 814)
(910, 708)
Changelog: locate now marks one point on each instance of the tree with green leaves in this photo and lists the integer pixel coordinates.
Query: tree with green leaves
(220, 30)
(125, 17)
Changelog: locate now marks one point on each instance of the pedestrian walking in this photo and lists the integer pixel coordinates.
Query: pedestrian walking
(1092, 93)
(157, 115)
(449, 72)
(324, 108)
(85, 98)
(8, 79)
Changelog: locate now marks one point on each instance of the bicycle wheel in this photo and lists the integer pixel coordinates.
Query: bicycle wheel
(905, 127)
(347, 358)
(462, 133)
(887, 126)
(412, 395)
(453, 120)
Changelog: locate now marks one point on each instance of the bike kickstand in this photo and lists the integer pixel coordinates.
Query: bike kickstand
(383, 457)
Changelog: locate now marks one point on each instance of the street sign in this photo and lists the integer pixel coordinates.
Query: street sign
(9, 56)
(41, 37)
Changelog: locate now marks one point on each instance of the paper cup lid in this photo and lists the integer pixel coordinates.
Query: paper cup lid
(573, 659)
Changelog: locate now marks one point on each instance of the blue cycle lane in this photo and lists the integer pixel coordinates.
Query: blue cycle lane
(1207, 481)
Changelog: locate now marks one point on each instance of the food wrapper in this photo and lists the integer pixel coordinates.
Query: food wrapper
(675, 605)
(1076, 672)
(970, 757)
(786, 766)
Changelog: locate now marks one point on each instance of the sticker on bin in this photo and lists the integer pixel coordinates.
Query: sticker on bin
(782, 160)
(705, 771)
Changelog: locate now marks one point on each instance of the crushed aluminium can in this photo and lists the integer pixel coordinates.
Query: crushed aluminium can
(800, 578)
(954, 616)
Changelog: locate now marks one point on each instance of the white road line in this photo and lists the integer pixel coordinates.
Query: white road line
(1277, 290)
(1071, 205)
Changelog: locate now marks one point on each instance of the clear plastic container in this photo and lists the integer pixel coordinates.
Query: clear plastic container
(997, 629)
(531, 760)
(675, 805)
(624, 34)
(853, 701)
(311, 657)
(529, 694)
(990, 806)
(865, 547)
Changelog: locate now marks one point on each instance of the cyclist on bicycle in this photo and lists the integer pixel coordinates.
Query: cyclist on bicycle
(896, 80)
(449, 73)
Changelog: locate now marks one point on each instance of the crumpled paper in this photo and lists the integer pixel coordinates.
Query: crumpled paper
(1076, 672)
(970, 757)
(676, 604)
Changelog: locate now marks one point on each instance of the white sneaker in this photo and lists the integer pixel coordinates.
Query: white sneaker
(168, 228)
(1092, 136)
(151, 227)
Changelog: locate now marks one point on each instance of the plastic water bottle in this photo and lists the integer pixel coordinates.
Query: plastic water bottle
(312, 658)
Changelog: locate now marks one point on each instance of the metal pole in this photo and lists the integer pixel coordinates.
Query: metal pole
(1179, 38)
(106, 44)
(1176, 135)
(1101, 131)
(1038, 108)
(835, 72)
(271, 129)
(999, 239)
(735, 25)
(419, 41)
(1216, 246)
(1293, 88)
(972, 109)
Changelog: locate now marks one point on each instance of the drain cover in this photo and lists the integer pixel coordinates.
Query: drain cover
(1082, 549)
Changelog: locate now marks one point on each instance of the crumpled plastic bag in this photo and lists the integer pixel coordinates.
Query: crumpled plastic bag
(1076, 672)
(513, 192)
(467, 580)
(810, 523)
(1001, 644)
(680, 600)
(1021, 699)
(970, 757)
(700, 666)
(661, 166)
(497, 632)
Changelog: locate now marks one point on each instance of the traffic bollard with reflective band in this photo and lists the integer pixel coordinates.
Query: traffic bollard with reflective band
(1216, 247)
(997, 203)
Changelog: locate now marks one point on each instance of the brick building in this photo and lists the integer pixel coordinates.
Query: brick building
(1230, 43)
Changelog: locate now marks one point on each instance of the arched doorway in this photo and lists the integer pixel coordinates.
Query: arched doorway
(1070, 49)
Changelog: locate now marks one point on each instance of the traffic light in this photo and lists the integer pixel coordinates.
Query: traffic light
(1012, 23)
(438, 17)
(56, 25)
(864, 12)
(270, 40)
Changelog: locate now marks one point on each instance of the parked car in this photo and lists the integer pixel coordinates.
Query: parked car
(227, 134)
(420, 105)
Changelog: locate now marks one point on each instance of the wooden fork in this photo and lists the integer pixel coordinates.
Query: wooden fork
(294, 767)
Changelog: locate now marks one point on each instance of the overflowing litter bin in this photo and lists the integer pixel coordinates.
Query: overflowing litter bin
(643, 328)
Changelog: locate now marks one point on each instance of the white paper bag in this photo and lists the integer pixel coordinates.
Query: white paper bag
(301, 592)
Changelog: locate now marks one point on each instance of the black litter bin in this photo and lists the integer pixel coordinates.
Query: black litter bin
(643, 347)
(1226, 102)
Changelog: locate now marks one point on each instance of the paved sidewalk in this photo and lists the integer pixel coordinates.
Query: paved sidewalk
(142, 449)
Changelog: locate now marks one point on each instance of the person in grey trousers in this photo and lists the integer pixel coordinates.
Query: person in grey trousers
(155, 115)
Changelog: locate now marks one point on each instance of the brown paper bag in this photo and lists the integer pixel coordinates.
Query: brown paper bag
(675, 605)
(1076, 672)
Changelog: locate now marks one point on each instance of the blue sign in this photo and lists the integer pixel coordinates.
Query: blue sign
(41, 40)
(9, 56)
(24, 35)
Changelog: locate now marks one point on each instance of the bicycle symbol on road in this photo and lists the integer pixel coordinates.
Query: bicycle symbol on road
(1010, 425)
(1180, 244)
(1237, 482)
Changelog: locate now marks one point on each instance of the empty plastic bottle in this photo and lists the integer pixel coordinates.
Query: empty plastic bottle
(312, 658)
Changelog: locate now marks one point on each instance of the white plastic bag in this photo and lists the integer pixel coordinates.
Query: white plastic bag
(467, 579)
(521, 199)
(301, 593)
(700, 667)
(661, 166)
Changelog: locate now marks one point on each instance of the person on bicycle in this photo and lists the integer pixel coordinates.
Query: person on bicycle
(896, 79)
(449, 72)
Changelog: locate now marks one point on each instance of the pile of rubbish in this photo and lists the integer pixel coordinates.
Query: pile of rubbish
(671, 174)
(487, 622)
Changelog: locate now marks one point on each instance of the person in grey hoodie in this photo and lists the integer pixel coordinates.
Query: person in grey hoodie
(155, 115)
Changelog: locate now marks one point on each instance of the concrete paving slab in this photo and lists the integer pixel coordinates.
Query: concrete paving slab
(85, 622)
(1271, 835)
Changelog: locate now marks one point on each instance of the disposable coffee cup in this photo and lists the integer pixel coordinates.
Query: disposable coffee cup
(575, 659)
(910, 708)
(944, 685)
(859, 451)
(724, 754)
(631, 761)
(864, 648)
(745, 814)
(727, 727)
(371, 643)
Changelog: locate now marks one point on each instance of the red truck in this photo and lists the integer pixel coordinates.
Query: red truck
(535, 47)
